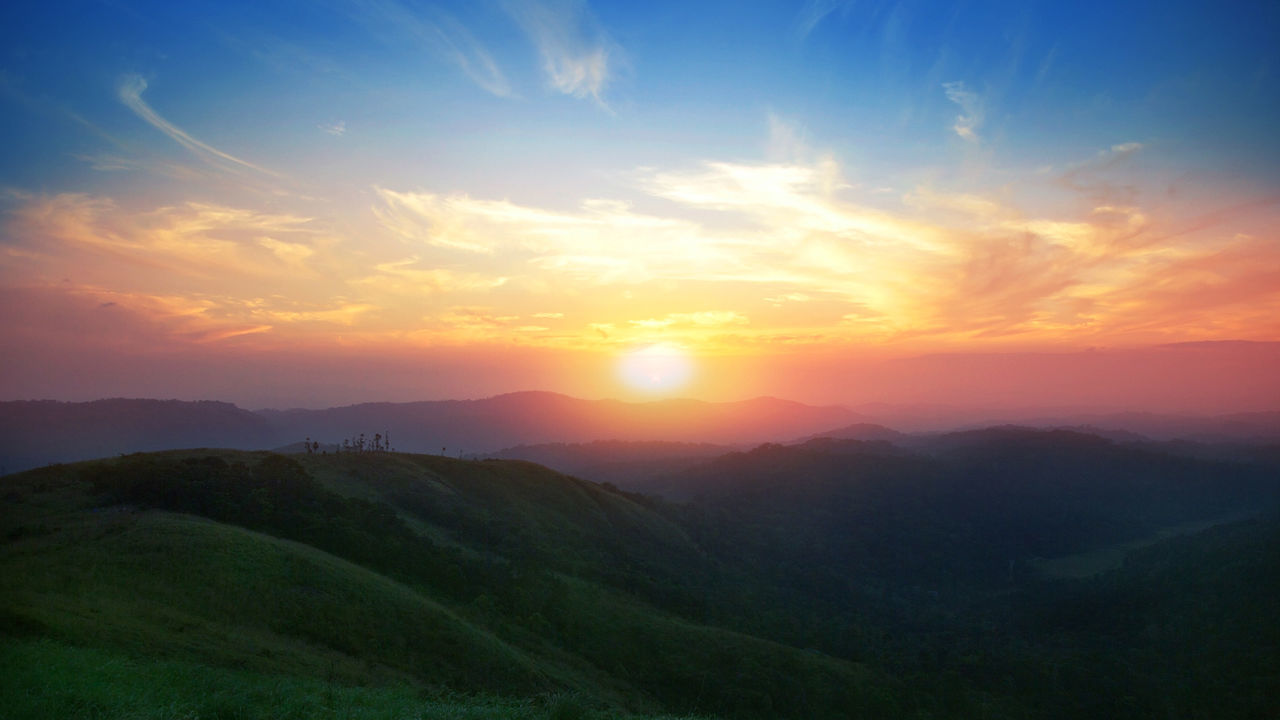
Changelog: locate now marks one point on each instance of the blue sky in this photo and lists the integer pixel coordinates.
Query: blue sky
(714, 178)
(468, 83)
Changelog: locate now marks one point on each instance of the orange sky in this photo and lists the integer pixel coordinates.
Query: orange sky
(789, 272)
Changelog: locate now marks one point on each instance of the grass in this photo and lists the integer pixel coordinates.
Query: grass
(562, 514)
(127, 609)
(41, 679)
(185, 587)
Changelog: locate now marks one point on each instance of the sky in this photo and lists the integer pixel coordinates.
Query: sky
(314, 203)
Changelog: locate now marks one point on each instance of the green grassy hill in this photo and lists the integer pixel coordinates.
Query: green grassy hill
(181, 586)
(388, 581)
(822, 581)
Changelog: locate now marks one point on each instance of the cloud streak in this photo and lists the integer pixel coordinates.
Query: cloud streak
(815, 12)
(451, 39)
(130, 93)
(437, 31)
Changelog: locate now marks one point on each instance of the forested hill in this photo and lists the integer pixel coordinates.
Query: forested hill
(976, 510)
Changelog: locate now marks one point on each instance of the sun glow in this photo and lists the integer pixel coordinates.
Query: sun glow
(656, 368)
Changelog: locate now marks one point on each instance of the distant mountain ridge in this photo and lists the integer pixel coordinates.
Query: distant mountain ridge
(626, 464)
(41, 432)
(857, 431)
(527, 418)
(634, 464)
(1242, 426)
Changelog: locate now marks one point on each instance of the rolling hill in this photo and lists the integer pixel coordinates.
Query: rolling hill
(627, 464)
(390, 571)
(828, 579)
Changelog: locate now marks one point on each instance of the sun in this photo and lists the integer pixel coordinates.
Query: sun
(656, 368)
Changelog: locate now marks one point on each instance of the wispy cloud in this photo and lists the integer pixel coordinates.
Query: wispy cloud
(971, 111)
(188, 243)
(339, 128)
(1123, 149)
(1046, 66)
(794, 242)
(130, 93)
(1093, 176)
(194, 271)
(788, 141)
(578, 57)
(603, 242)
(735, 253)
(108, 162)
(815, 11)
(431, 219)
(701, 319)
(437, 31)
(413, 277)
(454, 41)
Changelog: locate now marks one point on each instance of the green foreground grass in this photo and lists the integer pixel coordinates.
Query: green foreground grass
(42, 679)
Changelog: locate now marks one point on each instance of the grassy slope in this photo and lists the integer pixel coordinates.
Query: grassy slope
(166, 593)
(177, 586)
(563, 515)
(42, 679)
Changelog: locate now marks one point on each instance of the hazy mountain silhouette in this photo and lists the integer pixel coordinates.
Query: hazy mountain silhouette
(625, 463)
(1243, 426)
(34, 433)
(527, 418)
(41, 432)
(858, 431)
(1008, 495)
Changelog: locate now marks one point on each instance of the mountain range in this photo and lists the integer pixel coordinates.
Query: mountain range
(35, 433)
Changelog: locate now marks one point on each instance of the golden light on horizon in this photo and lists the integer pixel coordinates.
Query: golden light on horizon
(656, 368)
